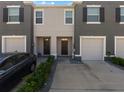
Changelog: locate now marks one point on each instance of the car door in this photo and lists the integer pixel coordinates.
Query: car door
(21, 61)
(15, 60)
(18, 61)
(7, 67)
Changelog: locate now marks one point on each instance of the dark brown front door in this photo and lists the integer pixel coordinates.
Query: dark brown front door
(46, 46)
(64, 47)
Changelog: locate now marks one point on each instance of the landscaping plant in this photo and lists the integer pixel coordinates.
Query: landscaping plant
(37, 79)
(118, 61)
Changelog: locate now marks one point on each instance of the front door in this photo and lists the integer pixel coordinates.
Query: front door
(64, 47)
(46, 46)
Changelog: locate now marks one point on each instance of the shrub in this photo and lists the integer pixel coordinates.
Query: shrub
(118, 61)
(37, 79)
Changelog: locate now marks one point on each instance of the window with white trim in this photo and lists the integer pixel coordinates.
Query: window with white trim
(68, 17)
(122, 14)
(39, 17)
(93, 14)
(13, 14)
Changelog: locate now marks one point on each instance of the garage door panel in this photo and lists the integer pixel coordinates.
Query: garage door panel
(14, 44)
(92, 49)
(120, 47)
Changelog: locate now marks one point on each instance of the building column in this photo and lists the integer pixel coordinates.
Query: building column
(35, 45)
(54, 46)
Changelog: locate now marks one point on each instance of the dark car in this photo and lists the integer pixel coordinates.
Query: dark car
(14, 63)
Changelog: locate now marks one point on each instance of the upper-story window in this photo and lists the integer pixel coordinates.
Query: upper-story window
(93, 14)
(119, 14)
(39, 17)
(122, 14)
(13, 14)
(69, 17)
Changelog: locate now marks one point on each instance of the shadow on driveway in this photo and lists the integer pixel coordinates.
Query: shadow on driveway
(12, 82)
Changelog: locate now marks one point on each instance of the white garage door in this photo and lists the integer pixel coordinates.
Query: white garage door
(120, 47)
(92, 48)
(14, 44)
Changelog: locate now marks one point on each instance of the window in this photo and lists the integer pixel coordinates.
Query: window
(93, 14)
(39, 17)
(68, 17)
(122, 14)
(13, 14)
(7, 64)
(20, 57)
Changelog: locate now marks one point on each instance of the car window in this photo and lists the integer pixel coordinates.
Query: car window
(7, 64)
(20, 57)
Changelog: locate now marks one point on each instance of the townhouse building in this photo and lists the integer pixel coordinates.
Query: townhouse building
(88, 30)
(99, 29)
(16, 26)
(53, 30)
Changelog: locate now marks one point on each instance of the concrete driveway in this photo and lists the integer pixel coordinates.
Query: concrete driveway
(90, 76)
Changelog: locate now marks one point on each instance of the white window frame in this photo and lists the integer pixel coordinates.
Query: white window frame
(93, 6)
(121, 6)
(65, 16)
(104, 43)
(13, 36)
(35, 10)
(13, 6)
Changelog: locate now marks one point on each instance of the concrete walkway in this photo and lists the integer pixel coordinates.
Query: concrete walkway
(90, 76)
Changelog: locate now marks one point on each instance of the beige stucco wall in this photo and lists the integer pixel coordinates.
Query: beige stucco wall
(53, 26)
(53, 23)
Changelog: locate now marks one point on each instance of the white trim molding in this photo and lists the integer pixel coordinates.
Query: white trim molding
(104, 43)
(13, 36)
(93, 5)
(13, 6)
(115, 42)
(35, 10)
(121, 5)
(78, 55)
(69, 9)
(12, 22)
(93, 22)
(110, 56)
(121, 22)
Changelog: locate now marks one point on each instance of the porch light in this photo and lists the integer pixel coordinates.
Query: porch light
(46, 39)
(64, 39)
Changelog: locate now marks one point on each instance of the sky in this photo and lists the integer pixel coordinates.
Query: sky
(53, 2)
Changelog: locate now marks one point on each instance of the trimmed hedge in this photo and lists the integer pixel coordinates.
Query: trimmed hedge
(118, 61)
(37, 79)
